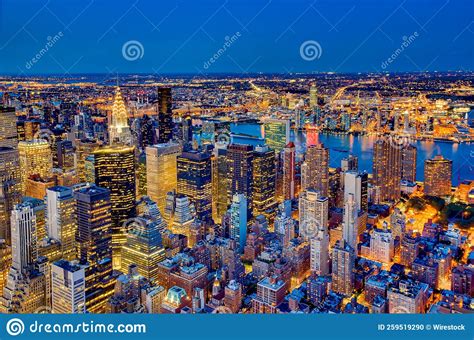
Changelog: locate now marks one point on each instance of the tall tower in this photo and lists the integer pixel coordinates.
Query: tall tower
(240, 161)
(386, 171)
(8, 131)
(409, 154)
(24, 240)
(356, 183)
(350, 229)
(35, 159)
(68, 288)
(61, 219)
(264, 185)
(315, 169)
(119, 131)
(289, 171)
(114, 169)
(165, 115)
(313, 213)
(238, 220)
(438, 172)
(161, 171)
(195, 181)
(343, 260)
(220, 182)
(10, 189)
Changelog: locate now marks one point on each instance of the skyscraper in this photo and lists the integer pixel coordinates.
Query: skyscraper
(313, 96)
(313, 213)
(343, 260)
(119, 131)
(24, 237)
(264, 184)
(84, 148)
(315, 169)
(289, 171)
(386, 171)
(35, 159)
(356, 183)
(68, 287)
(220, 182)
(350, 224)
(165, 115)
(161, 170)
(10, 189)
(195, 180)
(114, 169)
(143, 247)
(61, 219)
(240, 162)
(94, 241)
(277, 133)
(8, 131)
(438, 172)
(238, 220)
(409, 153)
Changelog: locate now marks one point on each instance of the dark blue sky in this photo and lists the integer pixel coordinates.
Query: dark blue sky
(182, 36)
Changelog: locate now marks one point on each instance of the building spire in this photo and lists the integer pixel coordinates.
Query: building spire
(119, 131)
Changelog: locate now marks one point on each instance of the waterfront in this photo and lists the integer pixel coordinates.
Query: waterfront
(340, 146)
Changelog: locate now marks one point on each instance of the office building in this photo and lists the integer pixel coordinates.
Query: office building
(119, 131)
(238, 220)
(277, 133)
(220, 183)
(35, 159)
(10, 189)
(8, 130)
(409, 154)
(240, 162)
(343, 261)
(386, 171)
(289, 170)
(438, 172)
(165, 115)
(264, 182)
(68, 288)
(315, 169)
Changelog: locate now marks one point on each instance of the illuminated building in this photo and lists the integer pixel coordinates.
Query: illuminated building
(165, 115)
(313, 96)
(143, 247)
(438, 173)
(61, 219)
(220, 183)
(176, 299)
(189, 277)
(94, 242)
(147, 132)
(119, 131)
(195, 181)
(8, 130)
(270, 293)
(35, 159)
(67, 288)
(180, 214)
(315, 169)
(356, 183)
(313, 213)
(27, 129)
(5, 263)
(408, 297)
(161, 171)
(39, 210)
(238, 220)
(146, 206)
(318, 288)
(289, 171)
(24, 241)
(240, 162)
(114, 169)
(84, 148)
(386, 171)
(409, 249)
(264, 181)
(233, 296)
(154, 298)
(10, 189)
(350, 163)
(351, 222)
(277, 133)
(36, 186)
(409, 153)
(426, 270)
(285, 226)
(382, 245)
(141, 175)
(343, 261)
(319, 247)
(462, 281)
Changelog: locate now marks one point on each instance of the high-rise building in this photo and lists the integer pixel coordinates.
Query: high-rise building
(313, 213)
(35, 159)
(119, 131)
(409, 154)
(10, 189)
(61, 219)
(386, 171)
(233, 296)
(94, 242)
(24, 237)
(319, 252)
(315, 169)
(438, 172)
(65, 155)
(195, 181)
(407, 296)
(240, 162)
(313, 96)
(238, 220)
(356, 183)
(350, 223)
(343, 261)
(277, 133)
(143, 247)
(382, 248)
(270, 293)
(165, 115)
(5, 263)
(84, 148)
(220, 183)
(8, 131)
(68, 288)
(289, 171)
(350, 163)
(264, 184)
(114, 169)
(161, 170)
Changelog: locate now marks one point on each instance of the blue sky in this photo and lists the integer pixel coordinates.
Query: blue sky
(262, 36)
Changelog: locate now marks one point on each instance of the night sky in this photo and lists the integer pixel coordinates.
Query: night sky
(245, 36)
